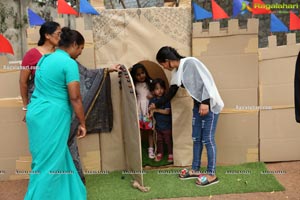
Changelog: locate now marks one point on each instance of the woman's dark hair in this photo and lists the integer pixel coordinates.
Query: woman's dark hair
(157, 81)
(47, 28)
(133, 73)
(167, 53)
(69, 36)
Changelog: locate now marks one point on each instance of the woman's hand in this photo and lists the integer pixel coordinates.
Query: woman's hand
(114, 68)
(81, 132)
(203, 109)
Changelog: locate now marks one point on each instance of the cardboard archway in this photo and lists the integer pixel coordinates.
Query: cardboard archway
(130, 123)
(155, 71)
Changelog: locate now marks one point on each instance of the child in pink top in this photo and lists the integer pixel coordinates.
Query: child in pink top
(142, 81)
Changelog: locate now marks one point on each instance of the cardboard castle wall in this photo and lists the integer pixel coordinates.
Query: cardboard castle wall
(279, 133)
(257, 77)
(231, 55)
(127, 37)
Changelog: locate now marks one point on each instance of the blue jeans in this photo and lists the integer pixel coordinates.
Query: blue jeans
(203, 133)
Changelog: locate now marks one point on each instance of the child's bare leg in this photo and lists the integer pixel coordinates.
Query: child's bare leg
(150, 138)
(151, 144)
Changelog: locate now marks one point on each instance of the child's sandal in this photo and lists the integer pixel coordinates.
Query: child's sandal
(151, 153)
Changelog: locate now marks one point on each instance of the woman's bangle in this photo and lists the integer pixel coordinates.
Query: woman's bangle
(24, 108)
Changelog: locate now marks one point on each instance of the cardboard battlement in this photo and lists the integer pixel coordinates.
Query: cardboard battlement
(233, 28)
(274, 52)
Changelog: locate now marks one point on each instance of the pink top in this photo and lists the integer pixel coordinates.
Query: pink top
(142, 101)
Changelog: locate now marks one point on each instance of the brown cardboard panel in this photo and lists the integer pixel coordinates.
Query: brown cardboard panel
(12, 114)
(3, 61)
(237, 129)
(235, 154)
(279, 149)
(238, 98)
(23, 165)
(88, 36)
(12, 103)
(97, 3)
(122, 40)
(9, 84)
(277, 71)
(277, 95)
(227, 45)
(90, 143)
(7, 167)
(279, 124)
(91, 161)
(15, 143)
(87, 57)
(278, 52)
(89, 151)
(182, 105)
(130, 127)
(33, 35)
(112, 144)
(234, 71)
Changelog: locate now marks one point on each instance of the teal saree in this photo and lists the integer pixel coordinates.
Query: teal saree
(48, 119)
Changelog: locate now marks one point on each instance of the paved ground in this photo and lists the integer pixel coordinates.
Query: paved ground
(15, 190)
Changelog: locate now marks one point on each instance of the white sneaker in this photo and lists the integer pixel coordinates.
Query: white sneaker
(151, 153)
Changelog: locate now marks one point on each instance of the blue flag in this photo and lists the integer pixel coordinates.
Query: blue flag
(277, 25)
(201, 13)
(86, 7)
(34, 19)
(237, 7)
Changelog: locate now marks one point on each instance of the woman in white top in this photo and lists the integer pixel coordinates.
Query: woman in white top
(192, 74)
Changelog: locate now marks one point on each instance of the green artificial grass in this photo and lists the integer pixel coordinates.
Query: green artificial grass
(164, 183)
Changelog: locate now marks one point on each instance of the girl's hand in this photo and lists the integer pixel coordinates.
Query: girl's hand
(81, 132)
(152, 106)
(203, 109)
(114, 68)
(149, 96)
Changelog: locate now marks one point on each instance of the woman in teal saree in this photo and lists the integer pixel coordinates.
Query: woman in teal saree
(56, 94)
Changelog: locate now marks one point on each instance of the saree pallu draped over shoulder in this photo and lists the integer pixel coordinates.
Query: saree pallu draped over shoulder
(95, 90)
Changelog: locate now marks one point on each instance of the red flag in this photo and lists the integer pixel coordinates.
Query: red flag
(218, 12)
(294, 21)
(64, 8)
(5, 46)
(259, 8)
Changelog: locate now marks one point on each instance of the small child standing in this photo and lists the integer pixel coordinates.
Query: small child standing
(142, 80)
(163, 119)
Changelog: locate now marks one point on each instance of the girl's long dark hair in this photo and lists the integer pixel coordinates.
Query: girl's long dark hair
(167, 53)
(133, 72)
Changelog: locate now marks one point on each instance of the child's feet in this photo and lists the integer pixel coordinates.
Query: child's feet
(170, 158)
(158, 157)
(151, 154)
